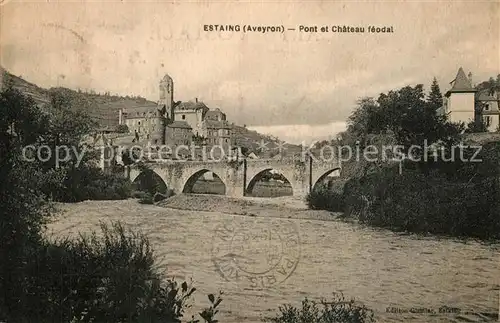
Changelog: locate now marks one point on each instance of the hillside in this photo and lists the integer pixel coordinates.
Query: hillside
(38, 94)
(253, 140)
(104, 109)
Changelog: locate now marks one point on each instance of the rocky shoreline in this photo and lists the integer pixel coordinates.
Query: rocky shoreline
(281, 207)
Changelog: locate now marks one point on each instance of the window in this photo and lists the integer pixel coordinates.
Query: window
(183, 117)
(139, 123)
(487, 121)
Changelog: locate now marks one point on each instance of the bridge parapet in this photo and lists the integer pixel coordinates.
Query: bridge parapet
(238, 176)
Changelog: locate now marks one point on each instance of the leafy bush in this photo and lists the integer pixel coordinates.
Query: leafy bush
(122, 128)
(146, 199)
(337, 311)
(159, 197)
(324, 198)
(433, 201)
(139, 194)
(208, 314)
(86, 183)
(111, 278)
(477, 125)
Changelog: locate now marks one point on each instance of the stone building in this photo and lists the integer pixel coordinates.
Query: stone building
(490, 111)
(186, 119)
(216, 128)
(461, 100)
(193, 113)
(179, 133)
(142, 119)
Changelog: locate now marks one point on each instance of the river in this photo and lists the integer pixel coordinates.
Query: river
(379, 268)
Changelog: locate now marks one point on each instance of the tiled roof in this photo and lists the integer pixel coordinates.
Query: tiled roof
(212, 113)
(215, 115)
(166, 77)
(217, 124)
(441, 111)
(139, 111)
(486, 96)
(190, 105)
(142, 108)
(179, 124)
(461, 83)
(493, 112)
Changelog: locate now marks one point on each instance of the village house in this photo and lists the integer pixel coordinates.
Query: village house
(186, 120)
(463, 99)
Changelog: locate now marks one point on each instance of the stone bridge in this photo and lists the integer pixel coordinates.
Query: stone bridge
(239, 177)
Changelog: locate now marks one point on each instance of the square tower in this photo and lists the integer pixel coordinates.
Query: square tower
(166, 100)
(460, 99)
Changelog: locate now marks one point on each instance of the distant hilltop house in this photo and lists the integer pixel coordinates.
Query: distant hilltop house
(187, 121)
(464, 103)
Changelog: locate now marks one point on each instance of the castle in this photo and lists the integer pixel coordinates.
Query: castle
(187, 121)
(464, 103)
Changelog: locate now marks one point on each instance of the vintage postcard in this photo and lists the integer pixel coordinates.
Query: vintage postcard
(249, 161)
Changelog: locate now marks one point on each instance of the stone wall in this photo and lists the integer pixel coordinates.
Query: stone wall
(238, 176)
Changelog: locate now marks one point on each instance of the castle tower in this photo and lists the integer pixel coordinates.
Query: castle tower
(167, 95)
(460, 99)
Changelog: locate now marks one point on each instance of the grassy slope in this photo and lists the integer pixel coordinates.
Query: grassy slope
(104, 108)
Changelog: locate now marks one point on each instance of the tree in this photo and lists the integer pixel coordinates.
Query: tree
(24, 208)
(122, 128)
(365, 119)
(477, 126)
(33, 282)
(493, 86)
(404, 113)
(435, 97)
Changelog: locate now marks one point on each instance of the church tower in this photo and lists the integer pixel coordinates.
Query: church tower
(167, 95)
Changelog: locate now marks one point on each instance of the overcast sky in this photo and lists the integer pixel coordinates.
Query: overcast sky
(294, 85)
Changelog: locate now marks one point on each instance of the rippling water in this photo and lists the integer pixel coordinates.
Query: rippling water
(377, 267)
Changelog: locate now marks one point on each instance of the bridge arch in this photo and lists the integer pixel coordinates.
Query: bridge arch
(323, 176)
(192, 177)
(149, 180)
(261, 173)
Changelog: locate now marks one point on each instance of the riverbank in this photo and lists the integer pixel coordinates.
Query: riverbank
(280, 207)
(379, 268)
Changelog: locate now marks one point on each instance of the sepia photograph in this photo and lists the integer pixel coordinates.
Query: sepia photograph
(249, 161)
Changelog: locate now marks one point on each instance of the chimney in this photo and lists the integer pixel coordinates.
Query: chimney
(196, 99)
(470, 78)
(120, 116)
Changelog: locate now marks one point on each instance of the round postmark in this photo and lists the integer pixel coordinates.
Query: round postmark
(260, 253)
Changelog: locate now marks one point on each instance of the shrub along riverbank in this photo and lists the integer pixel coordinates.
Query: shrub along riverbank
(455, 194)
(110, 277)
(459, 199)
